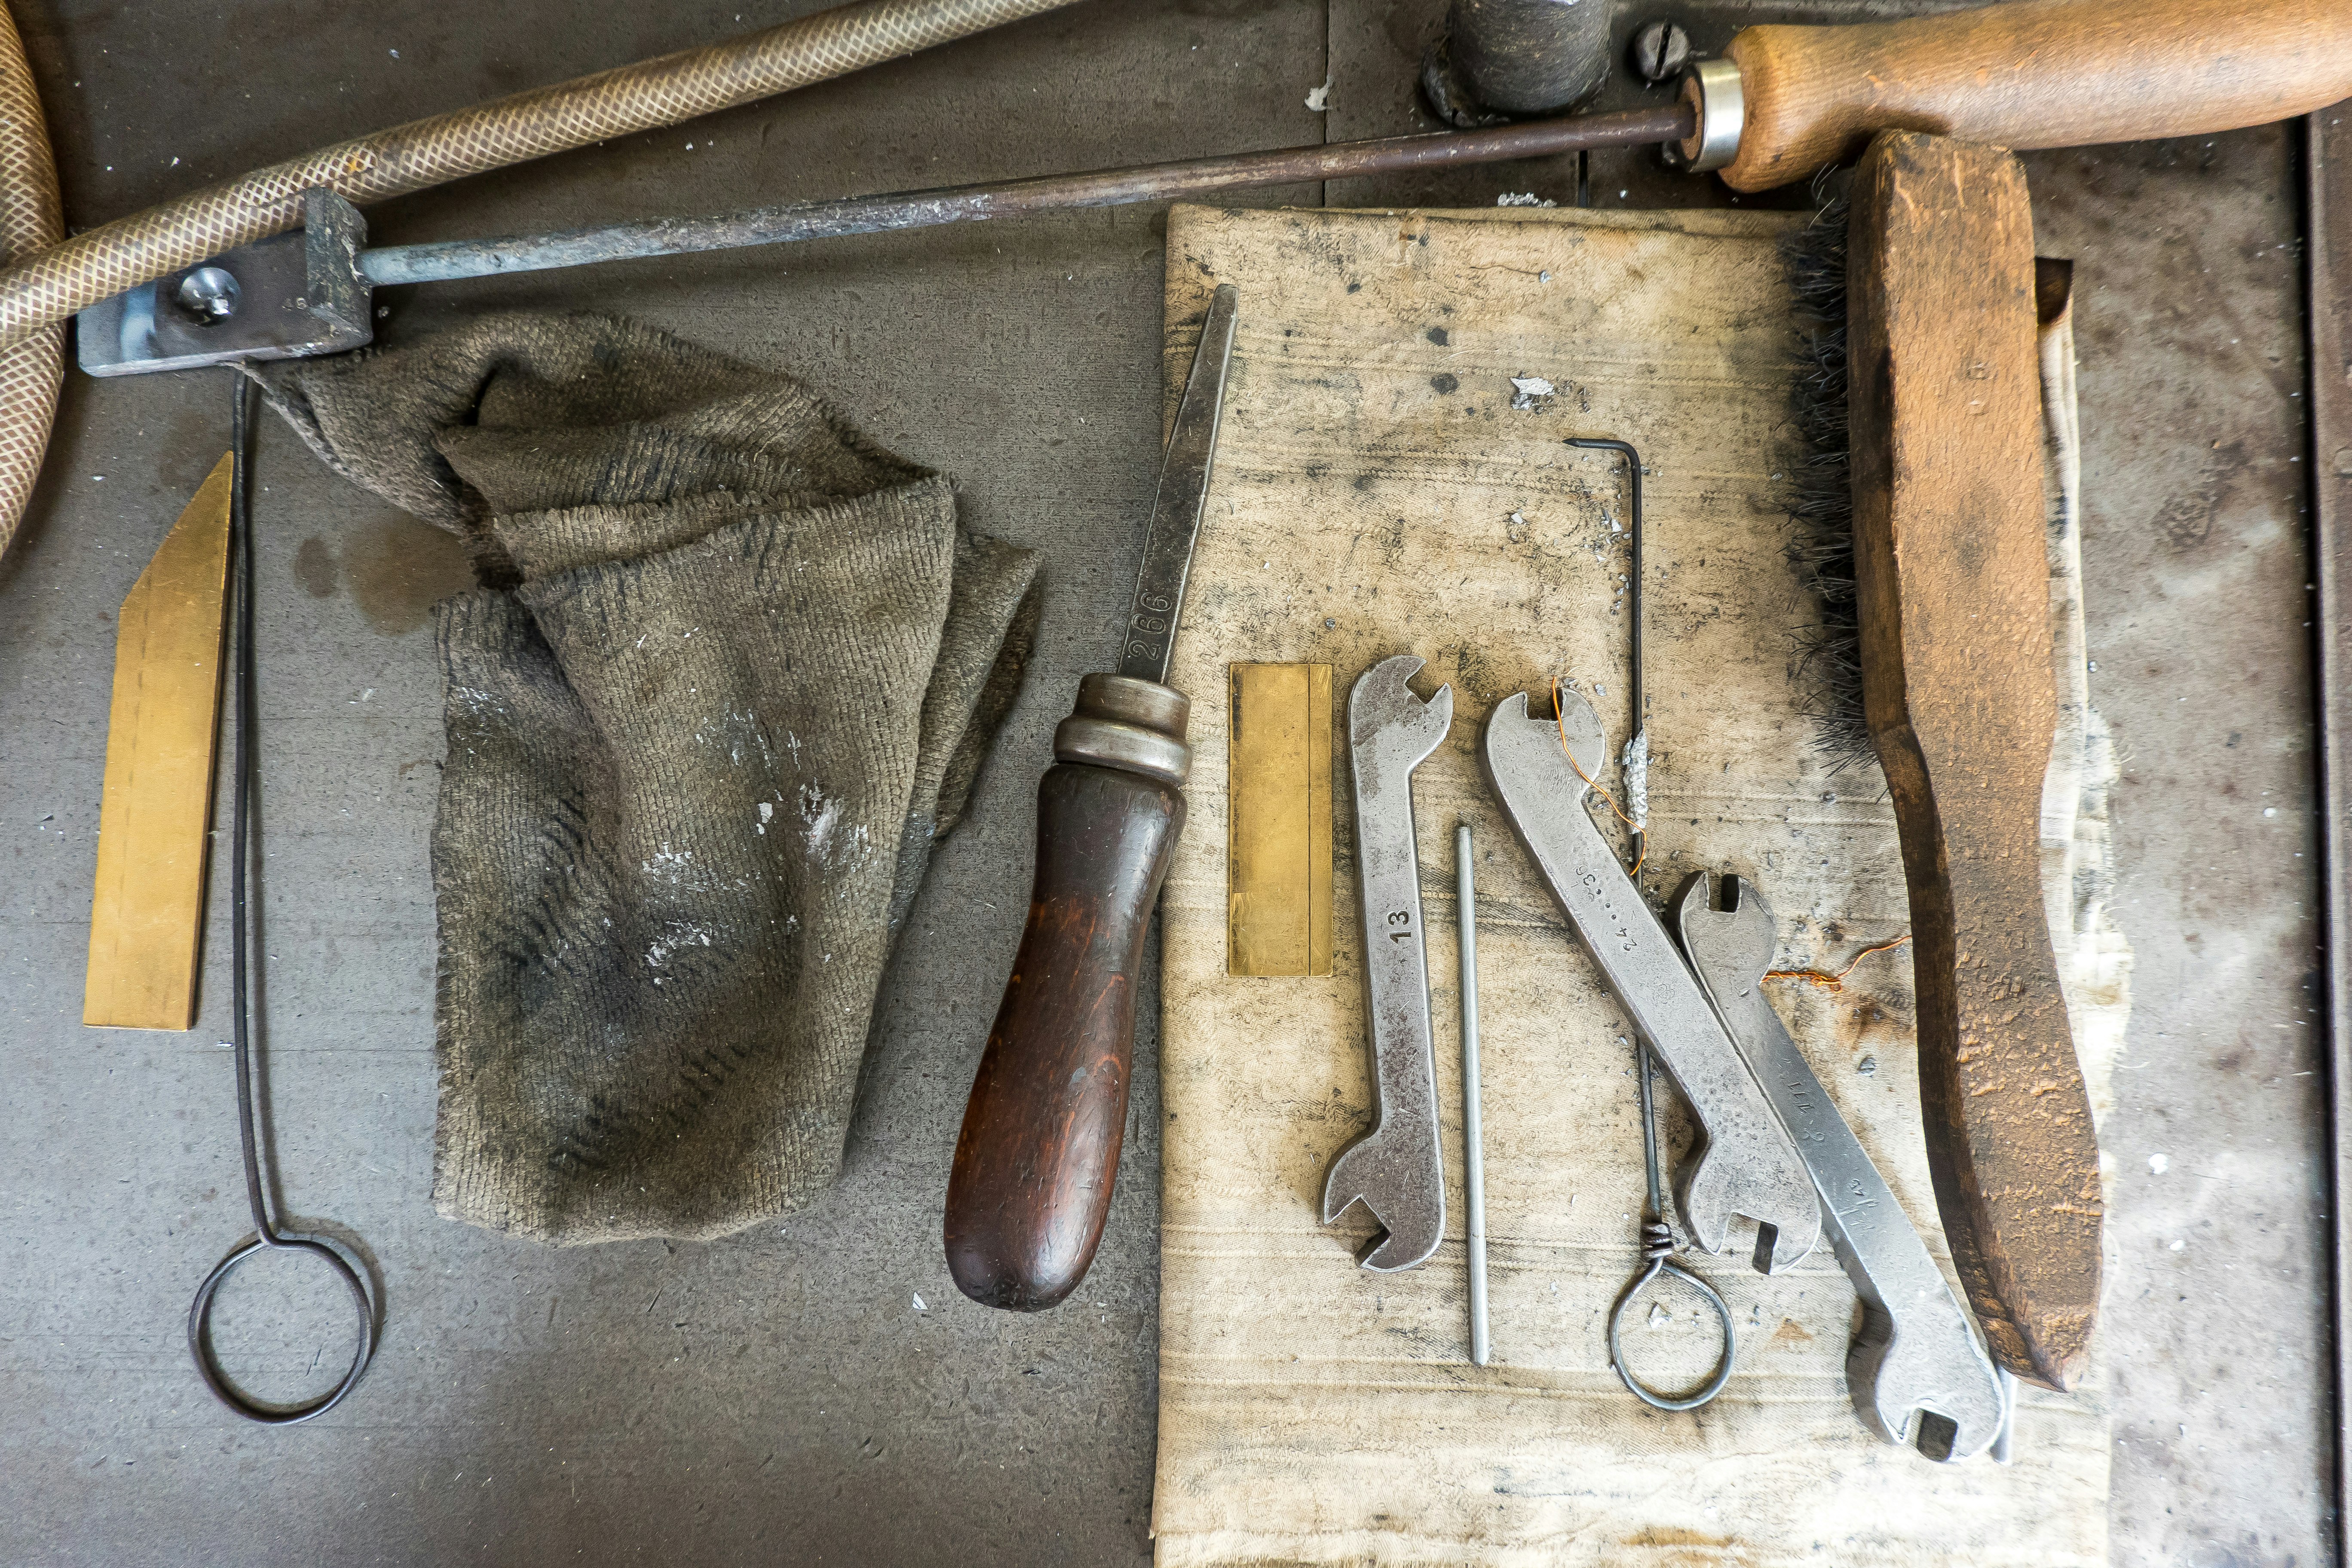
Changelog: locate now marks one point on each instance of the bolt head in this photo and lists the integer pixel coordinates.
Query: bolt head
(1660, 49)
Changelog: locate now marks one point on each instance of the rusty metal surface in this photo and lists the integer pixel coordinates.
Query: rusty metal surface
(2327, 172)
(780, 1397)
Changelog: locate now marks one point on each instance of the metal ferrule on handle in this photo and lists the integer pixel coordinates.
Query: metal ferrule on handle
(1123, 722)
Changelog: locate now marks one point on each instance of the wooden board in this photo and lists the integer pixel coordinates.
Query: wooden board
(147, 913)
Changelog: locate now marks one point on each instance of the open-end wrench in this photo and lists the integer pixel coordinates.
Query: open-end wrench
(1743, 1162)
(1393, 1169)
(1917, 1353)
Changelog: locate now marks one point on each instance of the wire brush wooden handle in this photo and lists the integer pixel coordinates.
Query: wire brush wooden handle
(2037, 73)
(1952, 583)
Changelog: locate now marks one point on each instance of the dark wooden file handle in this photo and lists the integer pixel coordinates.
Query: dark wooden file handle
(1034, 1166)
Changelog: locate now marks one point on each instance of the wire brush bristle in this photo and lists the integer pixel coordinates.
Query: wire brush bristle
(1821, 486)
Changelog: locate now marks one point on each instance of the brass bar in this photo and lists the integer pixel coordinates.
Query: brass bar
(1278, 844)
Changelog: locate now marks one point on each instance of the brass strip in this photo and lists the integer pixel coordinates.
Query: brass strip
(1278, 843)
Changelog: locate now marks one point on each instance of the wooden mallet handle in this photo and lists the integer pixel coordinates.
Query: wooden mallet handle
(2037, 73)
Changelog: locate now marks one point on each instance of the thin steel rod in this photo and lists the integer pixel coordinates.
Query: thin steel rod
(1638, 698)
(1474, 1156)
(245, 760)
(444, 260)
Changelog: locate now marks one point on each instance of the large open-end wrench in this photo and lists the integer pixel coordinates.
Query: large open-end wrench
(1917, 1353)
(1743, 1162)
(1393, 1169)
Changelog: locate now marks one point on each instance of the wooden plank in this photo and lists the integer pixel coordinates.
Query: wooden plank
(1278, 871)
(147, 912)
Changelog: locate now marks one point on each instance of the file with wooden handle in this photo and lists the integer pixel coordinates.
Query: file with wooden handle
(2038, 73)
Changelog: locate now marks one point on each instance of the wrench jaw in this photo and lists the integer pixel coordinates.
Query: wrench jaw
(1706, 1191)
(1745, 928)
(1513, 732)
(1412, 1228)
(1905, 1394)
(1386, 716)
(1742, 933)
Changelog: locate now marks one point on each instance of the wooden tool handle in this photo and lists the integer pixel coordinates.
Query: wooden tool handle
(2037, 73)
(1952, 582)
(1034, 1169)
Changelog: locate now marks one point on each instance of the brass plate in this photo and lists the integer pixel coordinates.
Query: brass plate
(147, 913)
(1278, 843)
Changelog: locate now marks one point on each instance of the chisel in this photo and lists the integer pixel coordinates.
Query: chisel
(1032, 1181)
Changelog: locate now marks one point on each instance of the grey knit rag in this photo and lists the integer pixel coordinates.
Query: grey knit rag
(733, 673)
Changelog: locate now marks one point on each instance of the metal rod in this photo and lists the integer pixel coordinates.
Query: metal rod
(446, 259)
(245, 996)
(2327, 259)
(2004, 1442)
(1650, 1136)
(1637, 697)
(1474, 1157)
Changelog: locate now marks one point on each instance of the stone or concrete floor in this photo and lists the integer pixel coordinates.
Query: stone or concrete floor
(776, 1397)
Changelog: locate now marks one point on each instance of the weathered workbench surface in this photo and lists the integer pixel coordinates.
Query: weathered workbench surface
(780, 1396)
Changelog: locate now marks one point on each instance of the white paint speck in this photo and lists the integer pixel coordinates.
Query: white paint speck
(1319, 99)
(2159, 1163)
(2175, 1246)
(1528, 393)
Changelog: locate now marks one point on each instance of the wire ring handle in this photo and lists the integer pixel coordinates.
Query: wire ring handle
(244, 922)
(1658, 1241)
(200, 1340)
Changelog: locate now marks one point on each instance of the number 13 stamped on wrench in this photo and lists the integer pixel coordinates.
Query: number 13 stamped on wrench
(1393, 1169)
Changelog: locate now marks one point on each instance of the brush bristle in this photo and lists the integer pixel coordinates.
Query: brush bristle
(1821, 486)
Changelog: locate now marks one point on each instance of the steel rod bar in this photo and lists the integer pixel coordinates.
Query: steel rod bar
(1474, 1153)
(444, 260)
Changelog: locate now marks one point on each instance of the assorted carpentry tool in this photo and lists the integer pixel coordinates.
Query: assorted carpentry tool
(1394, 1170)
(1033, 1168)
(1278, 827)
(147, 912)
(1473, 1149)
(244, 922)
(1743, 1163)
(1944, 516)
(1916, 1354)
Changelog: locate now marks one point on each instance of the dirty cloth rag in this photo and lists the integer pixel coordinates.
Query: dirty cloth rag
(1393, 477)
(733, 673)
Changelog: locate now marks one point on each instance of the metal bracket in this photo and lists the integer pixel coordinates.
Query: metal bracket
(288, 297)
